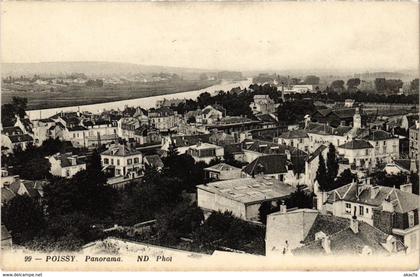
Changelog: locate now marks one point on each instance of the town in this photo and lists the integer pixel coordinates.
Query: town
(290, 165)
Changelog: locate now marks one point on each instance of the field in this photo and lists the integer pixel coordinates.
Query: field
(42, 97)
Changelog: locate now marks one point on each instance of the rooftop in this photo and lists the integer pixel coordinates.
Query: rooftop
(120, 150)
(249, 190)
(221, 167)
(356, 144)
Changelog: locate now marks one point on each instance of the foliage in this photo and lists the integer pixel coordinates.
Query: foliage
(294, 111)
(265, 209)
(300, 199)
(414, 180)
(321, 174)
(178, 222)
(225, 230)
(389, 180)
(332, 164)
(16, 108)
(346, 177)
(23, 216)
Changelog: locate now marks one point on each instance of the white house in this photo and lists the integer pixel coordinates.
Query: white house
(122, 160)
(205, 152)
(66, 165)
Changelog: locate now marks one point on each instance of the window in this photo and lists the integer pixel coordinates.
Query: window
(410, 219)
(68, 173)
(106, 161)
(136, 160)
(366, 152)
(384, 143)
(129, 161)
(361, 210)
(118, 161)
(74, 135)
(348, 208)
(367, 211)
(112, 161)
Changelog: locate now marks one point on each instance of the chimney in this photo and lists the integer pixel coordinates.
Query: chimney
(326, 244)
(374, 192)
(283, 207)
(354, 224)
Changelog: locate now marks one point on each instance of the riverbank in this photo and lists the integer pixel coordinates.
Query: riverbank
(144, 102)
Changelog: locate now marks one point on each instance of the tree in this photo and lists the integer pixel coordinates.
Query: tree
(321, 174)
(414, 85)
(346, 177)
(300, 199)
(353, 83)
(338, 85)
(178, 222)
(380, 84)
(23, 216)
(312, 80)
(265, 209)
(414, 180)
(332, 164)
(16, 108)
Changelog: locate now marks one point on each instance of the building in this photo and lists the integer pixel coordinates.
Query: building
(243, 196)
(386, 145)
(222, 171)
(263, 104)
(210, 114)
(295, 138)
(221, 138)
(147, 135)
(402, 166)
(127, 127)
(303, 88)
(123, 161)
(308, 232)
(41, 130)
(163, 118)
(312, 163)
(414, 141)
(389, 209)
(360, 153)
(205, 152)
(13, 138)
(66, 165)
(183, 142)
(100, 132)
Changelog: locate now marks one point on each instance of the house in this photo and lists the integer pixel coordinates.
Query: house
(263, 104)
(360, 153)
(210, 114)
(409, 120)
(78, 135)
(13, 138)
(221, 138)
(222, 171)
(183, 142)
(169, 102)
(401, 166)
(24, 124)
(122, 160)
(100, 132)
(127, 127)
(153, 161)
(312, 163)
(414, 141)
(386, 145)
(66, 165)
(234, 125)
(163, 118)
(295, 138)
(147, 135)
(308, 232)
(340, 116)
(303, 88)
(205, 152)
(6, 238)
(41, 130)
(389, 209)
(273, 166)
(243, 196)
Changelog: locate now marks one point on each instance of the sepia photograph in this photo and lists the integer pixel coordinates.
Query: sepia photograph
(209, 136)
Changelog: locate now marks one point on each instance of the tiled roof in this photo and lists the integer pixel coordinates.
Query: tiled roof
(402, 201)
(181, 141)
(316, 153)
(356, 144)
(379, 135)
(7, 195)
(347, 242)
(65, 159)
(267, 164)
(154, 160)
(10, 131)
(294, 134)
(221, 167)
(20, 138)
(77, 128)
(120, 150)
(249, 190)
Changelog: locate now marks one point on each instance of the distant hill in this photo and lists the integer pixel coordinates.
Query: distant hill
(91, 69)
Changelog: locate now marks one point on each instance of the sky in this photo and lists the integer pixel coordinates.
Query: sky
(232, 36)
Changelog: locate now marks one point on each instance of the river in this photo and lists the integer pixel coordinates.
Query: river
(145, 102)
